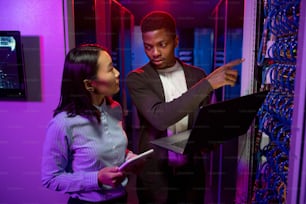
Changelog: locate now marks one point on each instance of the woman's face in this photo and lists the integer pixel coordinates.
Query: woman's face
(107, 78)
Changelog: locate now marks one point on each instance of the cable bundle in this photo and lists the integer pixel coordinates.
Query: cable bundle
(277, 54)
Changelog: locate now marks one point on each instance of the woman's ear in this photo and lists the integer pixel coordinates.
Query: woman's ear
(88, 85)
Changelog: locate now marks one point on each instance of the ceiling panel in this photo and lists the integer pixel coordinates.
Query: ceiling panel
(188, 13)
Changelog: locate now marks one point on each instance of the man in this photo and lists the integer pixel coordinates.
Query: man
(167, 94)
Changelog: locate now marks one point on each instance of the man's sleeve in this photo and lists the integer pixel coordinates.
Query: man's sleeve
(163, 114)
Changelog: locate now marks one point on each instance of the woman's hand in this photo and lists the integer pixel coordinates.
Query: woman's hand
(130, 155)
(134, 169)
(110, 176)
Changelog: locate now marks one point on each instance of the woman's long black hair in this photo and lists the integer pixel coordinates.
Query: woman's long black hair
(80, 63)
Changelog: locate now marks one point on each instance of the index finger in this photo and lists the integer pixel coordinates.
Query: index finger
(114, 169)
(117, 175)
(234, 62)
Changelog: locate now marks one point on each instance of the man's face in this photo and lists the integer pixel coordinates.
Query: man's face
(159, 46)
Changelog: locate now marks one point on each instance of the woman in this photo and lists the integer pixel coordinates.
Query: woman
(85, 141)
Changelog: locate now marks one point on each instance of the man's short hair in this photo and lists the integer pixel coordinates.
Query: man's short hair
(158, 20)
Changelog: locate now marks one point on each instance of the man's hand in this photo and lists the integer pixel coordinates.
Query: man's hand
(224, 75)
(110, 176)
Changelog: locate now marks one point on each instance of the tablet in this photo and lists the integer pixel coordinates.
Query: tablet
(135, 160)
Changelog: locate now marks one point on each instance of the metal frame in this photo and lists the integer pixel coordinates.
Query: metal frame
(244, 169)
(297, 156)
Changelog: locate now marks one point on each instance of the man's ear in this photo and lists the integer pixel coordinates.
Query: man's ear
(88, 85)
(176, 40)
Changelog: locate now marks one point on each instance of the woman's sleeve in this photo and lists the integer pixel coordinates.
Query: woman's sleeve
(56, 174)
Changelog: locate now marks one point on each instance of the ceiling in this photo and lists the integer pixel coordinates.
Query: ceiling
(188, 13)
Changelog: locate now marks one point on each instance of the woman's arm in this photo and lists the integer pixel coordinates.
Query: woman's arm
(56, 172)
